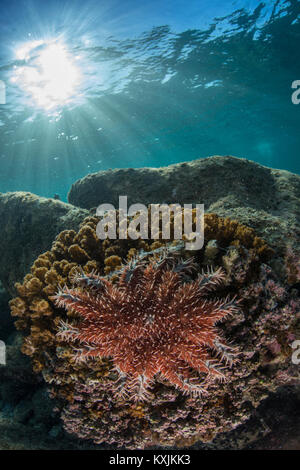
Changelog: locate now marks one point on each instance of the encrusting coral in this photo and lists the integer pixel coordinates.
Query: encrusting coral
(261, 329)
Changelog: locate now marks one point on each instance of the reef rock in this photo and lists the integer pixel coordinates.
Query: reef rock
(29, 225)
(265, 199)
(5, 317)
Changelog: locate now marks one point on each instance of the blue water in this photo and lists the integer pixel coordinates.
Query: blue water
(160, 81)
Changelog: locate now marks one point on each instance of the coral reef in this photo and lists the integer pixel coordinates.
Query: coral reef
(262, 331)
(36, 312)
(267, 324)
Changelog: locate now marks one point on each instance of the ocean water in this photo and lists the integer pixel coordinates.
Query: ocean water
(95, 85)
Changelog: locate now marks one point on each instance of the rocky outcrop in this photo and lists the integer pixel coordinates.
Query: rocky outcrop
(266, 199)
(29, 224)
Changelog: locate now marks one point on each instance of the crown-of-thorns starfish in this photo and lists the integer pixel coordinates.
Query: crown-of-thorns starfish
(154, 320)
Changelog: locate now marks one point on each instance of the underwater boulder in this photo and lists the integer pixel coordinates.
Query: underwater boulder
(29, 226)
(266, 199)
